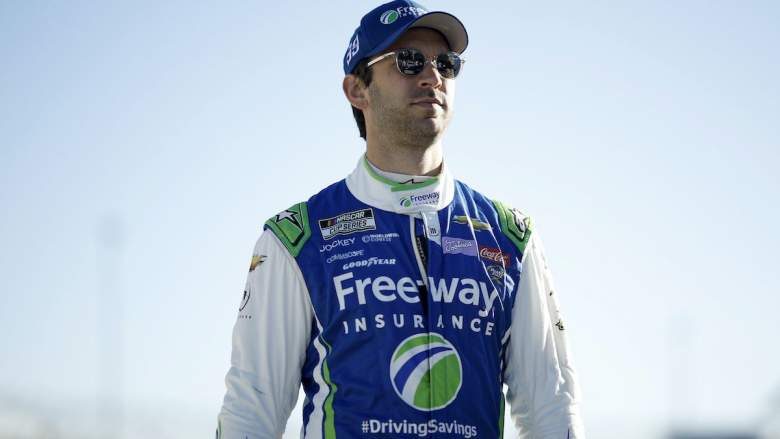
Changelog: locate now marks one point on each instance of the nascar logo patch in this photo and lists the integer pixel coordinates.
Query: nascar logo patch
(347, 223)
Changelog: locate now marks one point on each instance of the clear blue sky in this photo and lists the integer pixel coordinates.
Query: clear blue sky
(644, 137)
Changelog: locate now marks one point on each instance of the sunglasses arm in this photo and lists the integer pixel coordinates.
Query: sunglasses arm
(379, 58)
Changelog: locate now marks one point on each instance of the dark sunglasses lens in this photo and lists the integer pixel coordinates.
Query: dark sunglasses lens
(410, 62)
(448, 64)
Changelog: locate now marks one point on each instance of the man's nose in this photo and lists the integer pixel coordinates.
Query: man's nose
(430, 76)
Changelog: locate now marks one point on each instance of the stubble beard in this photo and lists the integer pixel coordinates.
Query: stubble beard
(399, 126)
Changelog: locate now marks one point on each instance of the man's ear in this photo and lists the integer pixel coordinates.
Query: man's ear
(355, 91)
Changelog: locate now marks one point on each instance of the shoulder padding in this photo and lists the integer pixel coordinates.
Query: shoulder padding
(515, 225)
(291, 226)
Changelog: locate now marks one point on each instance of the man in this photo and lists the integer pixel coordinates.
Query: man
(402, 300)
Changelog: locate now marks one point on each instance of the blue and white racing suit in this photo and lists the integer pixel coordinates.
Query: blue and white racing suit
(403, 309)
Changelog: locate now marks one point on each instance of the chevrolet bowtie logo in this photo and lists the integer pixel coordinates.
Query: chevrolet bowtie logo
(475, 223)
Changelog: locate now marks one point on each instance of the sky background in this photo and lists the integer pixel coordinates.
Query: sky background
(142, 146)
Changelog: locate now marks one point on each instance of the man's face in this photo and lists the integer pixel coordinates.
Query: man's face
(411, 109)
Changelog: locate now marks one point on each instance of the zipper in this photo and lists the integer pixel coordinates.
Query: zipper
(419, 252)
(419, 245)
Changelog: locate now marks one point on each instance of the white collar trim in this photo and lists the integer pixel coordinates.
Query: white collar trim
(378, 191)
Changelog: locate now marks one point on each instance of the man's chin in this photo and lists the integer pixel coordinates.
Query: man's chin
(437, 121)
(430, 127)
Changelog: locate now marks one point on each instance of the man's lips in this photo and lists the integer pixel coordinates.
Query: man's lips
(428, 102)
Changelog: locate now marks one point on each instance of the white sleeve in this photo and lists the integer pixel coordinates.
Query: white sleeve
(543, 393)
(269, 346)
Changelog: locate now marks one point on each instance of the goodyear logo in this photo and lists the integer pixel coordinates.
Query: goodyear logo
(419, 362)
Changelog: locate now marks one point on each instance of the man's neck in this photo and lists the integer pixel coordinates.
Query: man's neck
(405, 160)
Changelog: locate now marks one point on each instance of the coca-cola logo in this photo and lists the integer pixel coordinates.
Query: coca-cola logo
(493, 254)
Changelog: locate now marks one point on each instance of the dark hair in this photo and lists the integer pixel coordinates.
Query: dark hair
(363, 74)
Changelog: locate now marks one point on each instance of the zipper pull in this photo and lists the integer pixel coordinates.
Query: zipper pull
(432, 227)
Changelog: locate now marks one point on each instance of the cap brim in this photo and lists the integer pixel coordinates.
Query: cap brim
(449, 26)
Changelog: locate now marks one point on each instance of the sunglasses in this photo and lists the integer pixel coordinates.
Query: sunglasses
(411, 62)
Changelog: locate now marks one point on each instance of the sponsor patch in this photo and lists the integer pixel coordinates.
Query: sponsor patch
(523, 222)
(346, 223)
(467, 291)
(347, 255)
(493, 254)
(458, 246)
(291, 226)
(514, 224)
(256, 260)
(379, 237)
(336, 244)
(370, 262)
(391, 15)
(475, 223)
(437, 361)
(429, 199)
(496, 272)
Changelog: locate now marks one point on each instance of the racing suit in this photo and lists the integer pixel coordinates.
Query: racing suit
(403, 309)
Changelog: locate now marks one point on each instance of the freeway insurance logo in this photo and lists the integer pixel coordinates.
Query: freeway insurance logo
(426, 371)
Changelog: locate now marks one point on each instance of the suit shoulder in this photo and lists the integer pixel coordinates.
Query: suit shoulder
(293, 226)
(515, 224)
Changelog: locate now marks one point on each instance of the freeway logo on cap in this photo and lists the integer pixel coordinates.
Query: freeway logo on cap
(426, 371)
(389, 17)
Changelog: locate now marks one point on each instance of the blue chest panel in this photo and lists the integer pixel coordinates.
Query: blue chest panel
(413, 330)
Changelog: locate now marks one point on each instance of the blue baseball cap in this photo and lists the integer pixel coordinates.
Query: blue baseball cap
(382, 26)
